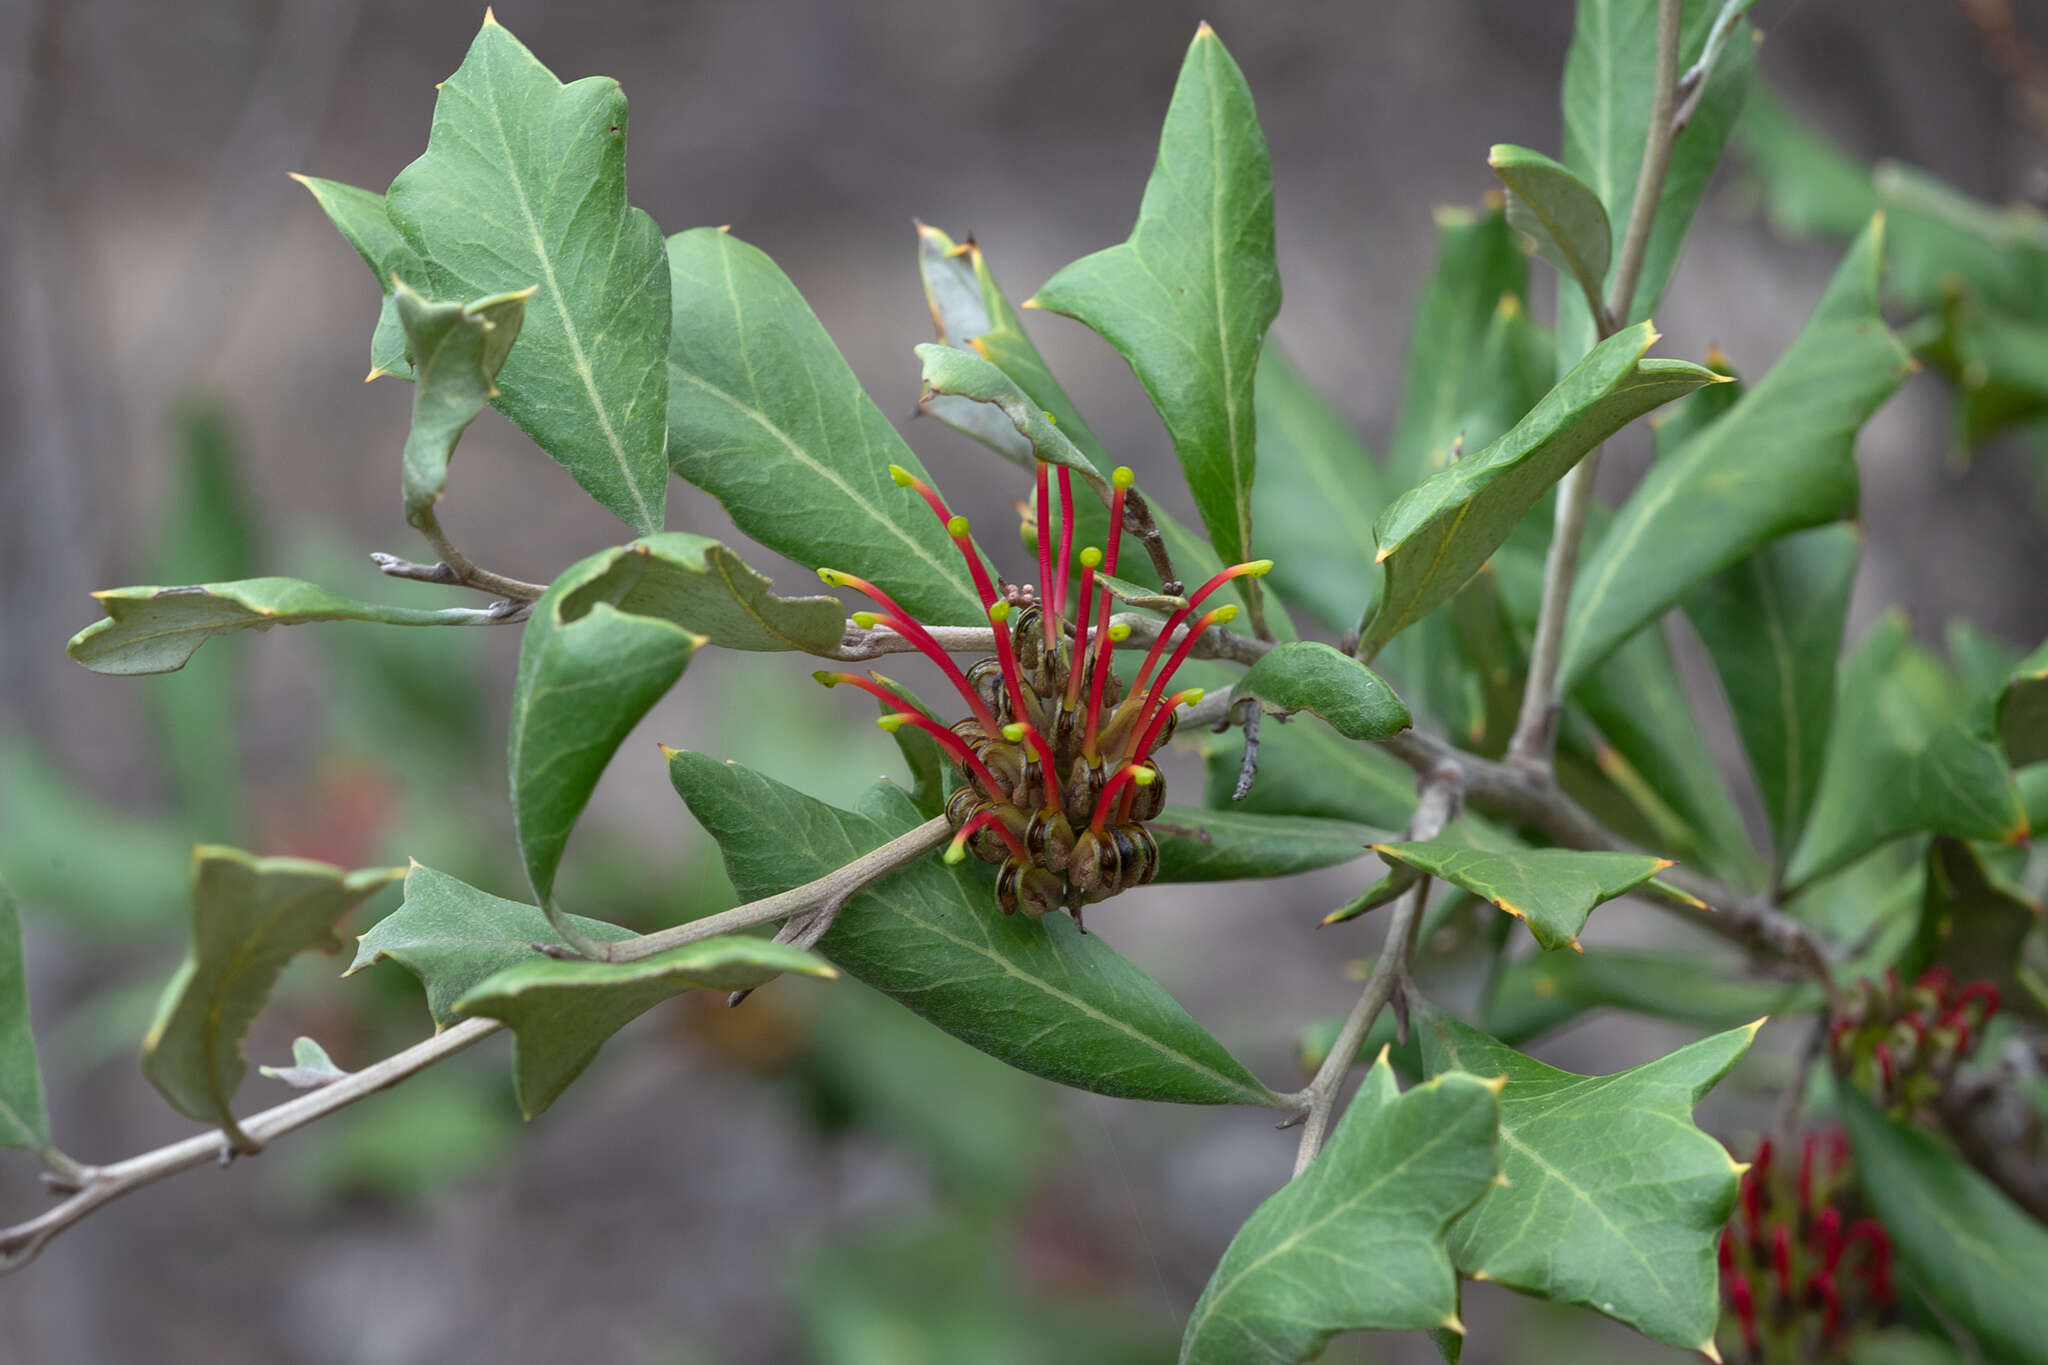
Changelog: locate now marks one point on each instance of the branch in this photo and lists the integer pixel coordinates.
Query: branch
(92, 1187)
(1442, 787)
(1536, 726)
(875, 641)
(455, 568)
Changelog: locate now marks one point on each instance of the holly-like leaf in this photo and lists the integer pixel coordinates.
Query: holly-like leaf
(1317, 493)
(1040, 995)
(1552, 890)
(1964, 1245)
(1535, 994)
(457, 350)
(364, 221)
(1435, 538)
(453, 937)
(1609, 75)
(1611, 1198)
(588, 671)
(562, 1012)
(523, 184)
(1977, 924)
(155, 630)
(1188, 298)
(2023, 710)
(767, 417)
(1781, 460)
(311, 1067)
(1310, 676)
(700, 585)
(1560, 216)
(1904, 754)
(1308, 770)
(24, 1121)
(1356, 1240)
(1198, 845)
(250, 916)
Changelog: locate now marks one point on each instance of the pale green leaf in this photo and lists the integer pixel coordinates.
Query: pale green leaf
(955, 373)
(250, 916)
(562, 1012)
(1435, 538)
(453, 937)
(1904, 754)
(1198, 845)
(1356, 1240)
(766, 416)
(1612, 1199)
(1187, 300)
(311, 1067)
(1560, 216)
(364, 221)
(523, 185)
(1964, 1244)
(24, 1121)
(1552, 890)
(1781, 460)
(588, 671)
(1310, 676)
(1040, 995)
(698, 584)
(458, 350)
(155, 630)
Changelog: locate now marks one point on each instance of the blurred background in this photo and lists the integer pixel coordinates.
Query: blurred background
(816, 1176)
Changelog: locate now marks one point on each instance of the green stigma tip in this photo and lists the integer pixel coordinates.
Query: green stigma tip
(830, 576)
(827, 677)
(1258, 568)
(957, 528)
(1000, 612)
(904, 478)
(1120, 632)
(1192, 695)
(866, 620)
(1144, 777)
(1014, 732)
(955, 852)
(1226, 614)
(1091, 558)
(1050, 418)
(890, 723)
(1122, 476)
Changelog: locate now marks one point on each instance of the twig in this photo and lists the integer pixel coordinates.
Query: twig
(1693, 83)
(1249, 767)
(96, 1186)
(1441, 787)
(875, 641)
(1138, 521)
(455, 568)
(1536, 726)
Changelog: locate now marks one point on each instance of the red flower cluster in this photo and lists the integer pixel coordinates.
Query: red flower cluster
(1901, 1046)
(1055, 756)
(1801, 1277)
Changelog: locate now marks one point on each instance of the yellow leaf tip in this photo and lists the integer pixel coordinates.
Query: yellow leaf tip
(1031, 302)
(1202, 30)
(1481, 1276)
(1495, 1083)
(1385, 1049)
(491, 19)
(1452, 1324)
(1755, 1024)
(1707, 1347)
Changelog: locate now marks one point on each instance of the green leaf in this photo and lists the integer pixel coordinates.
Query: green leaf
(955, 373)
(1964, 1245)
(1478, 267)
(1316, 496)
(1552, 890)
(523, 184)
(1608, 78)
(1356, 1240)
(1559, 214)
(453, 937)
(458, 350)
(588, 671)
(311, 1067)
(698, 584)
(24, 1121)
(1435, 538)
(963, 300)
(1772, 625)
(1310, 676)
(1534, 994)
(1198, 845)
(1308, 770)
(155, 630)
(1904, 754)
(1610, 1197)
(250, 916)
(2023, 710)
(561, 1012)
(1188, 298)
(1781, 460)
(1976, 924)
(1040, 995)
(364, 221)
(766, 416)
